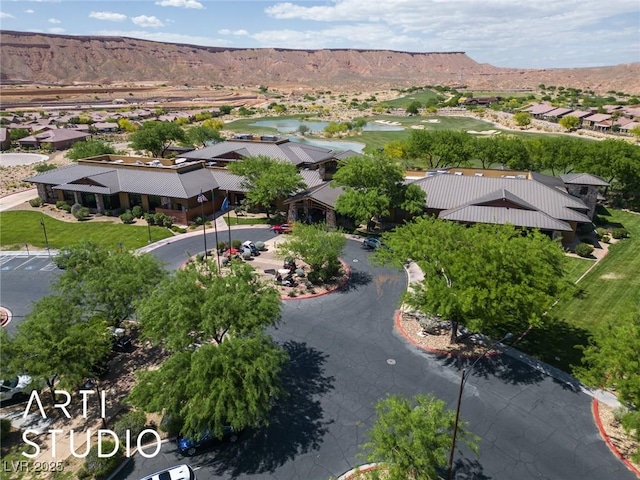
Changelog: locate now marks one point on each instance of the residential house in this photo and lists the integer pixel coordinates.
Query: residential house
(59, 139)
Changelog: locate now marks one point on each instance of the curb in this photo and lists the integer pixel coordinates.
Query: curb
(360, 469)
(337, 287)
(596, 415)
(442, 353)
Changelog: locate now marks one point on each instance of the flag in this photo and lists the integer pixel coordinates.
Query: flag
(201, 198)
(225, 204)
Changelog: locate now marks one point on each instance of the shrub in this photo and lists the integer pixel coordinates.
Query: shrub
(82, 213)
(151, 219)
(44, 167)
(618, 233)
(136, 211)
(75, 207)
(62, 205)
(235, 243)
(171, 424)
(314, 276)
(606, 238)
(177, 229)
(5, 428)
(97, 467)
(198, 221)
(246, 254)
(601, 232)
(222, 246)
(260, 246)
(584, 249)
(134, 421)
(36, 202)
(293, 293)
(127, 217)
(162, 220)
(108, 213)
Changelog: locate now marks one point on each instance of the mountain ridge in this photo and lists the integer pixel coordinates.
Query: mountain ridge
(50, 58)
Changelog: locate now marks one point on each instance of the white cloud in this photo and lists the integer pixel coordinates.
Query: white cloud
(56, 30)
(181, 4)
(29, 11)
(108, 16)
(54, 20)
(6, 15)
(237, 33)
(145, 21)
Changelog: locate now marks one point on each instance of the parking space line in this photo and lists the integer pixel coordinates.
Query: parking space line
(50, 266)
(24, 263)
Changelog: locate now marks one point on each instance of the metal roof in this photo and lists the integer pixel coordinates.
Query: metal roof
(556, 112)
(82, 187)
(583, 179)
(311, 178)
(499, 215)
(150, 181)
(227, 180)
(446, 192)
(296, 153)
(502, 194)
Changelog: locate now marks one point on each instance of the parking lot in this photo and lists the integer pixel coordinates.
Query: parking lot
(27, 262)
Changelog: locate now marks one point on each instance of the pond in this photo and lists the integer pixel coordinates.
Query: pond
(290, 125)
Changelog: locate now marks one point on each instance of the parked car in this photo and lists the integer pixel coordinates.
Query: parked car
(120, 341)
(177, 472)
(372, 243)
(15, 387)
(189, 446)
(251, 247)
(283, 228)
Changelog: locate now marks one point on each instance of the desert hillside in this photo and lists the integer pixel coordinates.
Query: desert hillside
(46, 58)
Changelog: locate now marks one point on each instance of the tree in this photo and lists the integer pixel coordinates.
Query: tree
(267, 180)
(198, 306)
(501, 150)
(200, 135)
(414, 108)
(127, 125)
(490, 278)
(107, 284)
(558, 154)
(156, 137)
(372, 185)
(58, 341)
(225, 109)
(234, 383)
(569, 122)
(223, 369)
(413, 439)
(439, 148)
(303, 129)
(635, 131)
(610, 360)
(89, 148)
(317, 247)
(18, 133)
(522, 119)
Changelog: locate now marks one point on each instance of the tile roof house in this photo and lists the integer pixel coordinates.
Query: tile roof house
(59, 139)
(522, 199)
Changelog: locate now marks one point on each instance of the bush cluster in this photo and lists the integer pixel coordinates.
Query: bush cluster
(81, 213)
(134, 421)
(584, 249)
(127, 217)
(136, 211)
(36, 202)
(62, 205)
(601, 232)
(619, 233)
(159, 219)
(96, 467)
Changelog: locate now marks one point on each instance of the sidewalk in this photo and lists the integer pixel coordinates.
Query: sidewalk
(16, 199)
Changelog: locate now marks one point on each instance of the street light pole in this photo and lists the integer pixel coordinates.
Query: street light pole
(149, 227)
(46, 240)
(463, 379)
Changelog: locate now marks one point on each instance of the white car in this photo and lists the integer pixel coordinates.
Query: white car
(14, 387)
(178, 472)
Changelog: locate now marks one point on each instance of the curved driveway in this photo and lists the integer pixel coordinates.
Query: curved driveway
(345, 355)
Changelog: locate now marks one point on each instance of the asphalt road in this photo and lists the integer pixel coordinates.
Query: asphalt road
(345, 355)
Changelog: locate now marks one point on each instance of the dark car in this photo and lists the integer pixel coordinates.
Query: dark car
(283, 228)
(189, 446)
(372, 243)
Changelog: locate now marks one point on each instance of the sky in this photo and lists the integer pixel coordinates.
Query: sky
(504, 33)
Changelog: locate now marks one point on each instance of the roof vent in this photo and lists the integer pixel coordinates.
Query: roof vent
(521, 177)
(479, 175)
(457, 173)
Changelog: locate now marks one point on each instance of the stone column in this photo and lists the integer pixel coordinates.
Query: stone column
(42, 192)
(330, 217)
(292, 215)
(99, 203)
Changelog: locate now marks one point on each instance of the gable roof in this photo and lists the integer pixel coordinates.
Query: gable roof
(583, 179)
(56, 135)
(110, 180)
(502, 194)
(500, 215)
(448, 192)
(296, 153)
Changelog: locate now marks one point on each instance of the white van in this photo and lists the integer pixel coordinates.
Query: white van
(179, 472)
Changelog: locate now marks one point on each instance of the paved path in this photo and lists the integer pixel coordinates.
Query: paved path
(16, 199)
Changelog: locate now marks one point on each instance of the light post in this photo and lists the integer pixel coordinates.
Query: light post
(201, 199)
(463, 379)
(46, 240)
(149, 226)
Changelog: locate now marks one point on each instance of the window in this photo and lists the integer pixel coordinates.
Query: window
(584, 190)
(112, 202)
(135, 199)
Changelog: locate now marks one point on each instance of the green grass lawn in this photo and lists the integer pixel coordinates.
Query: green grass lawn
(20, 227)
(609, 291)
(576, 267)
(403, 102)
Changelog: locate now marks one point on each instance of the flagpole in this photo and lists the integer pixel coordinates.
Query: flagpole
(215, 226)
(204, 221)
(229, 219)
